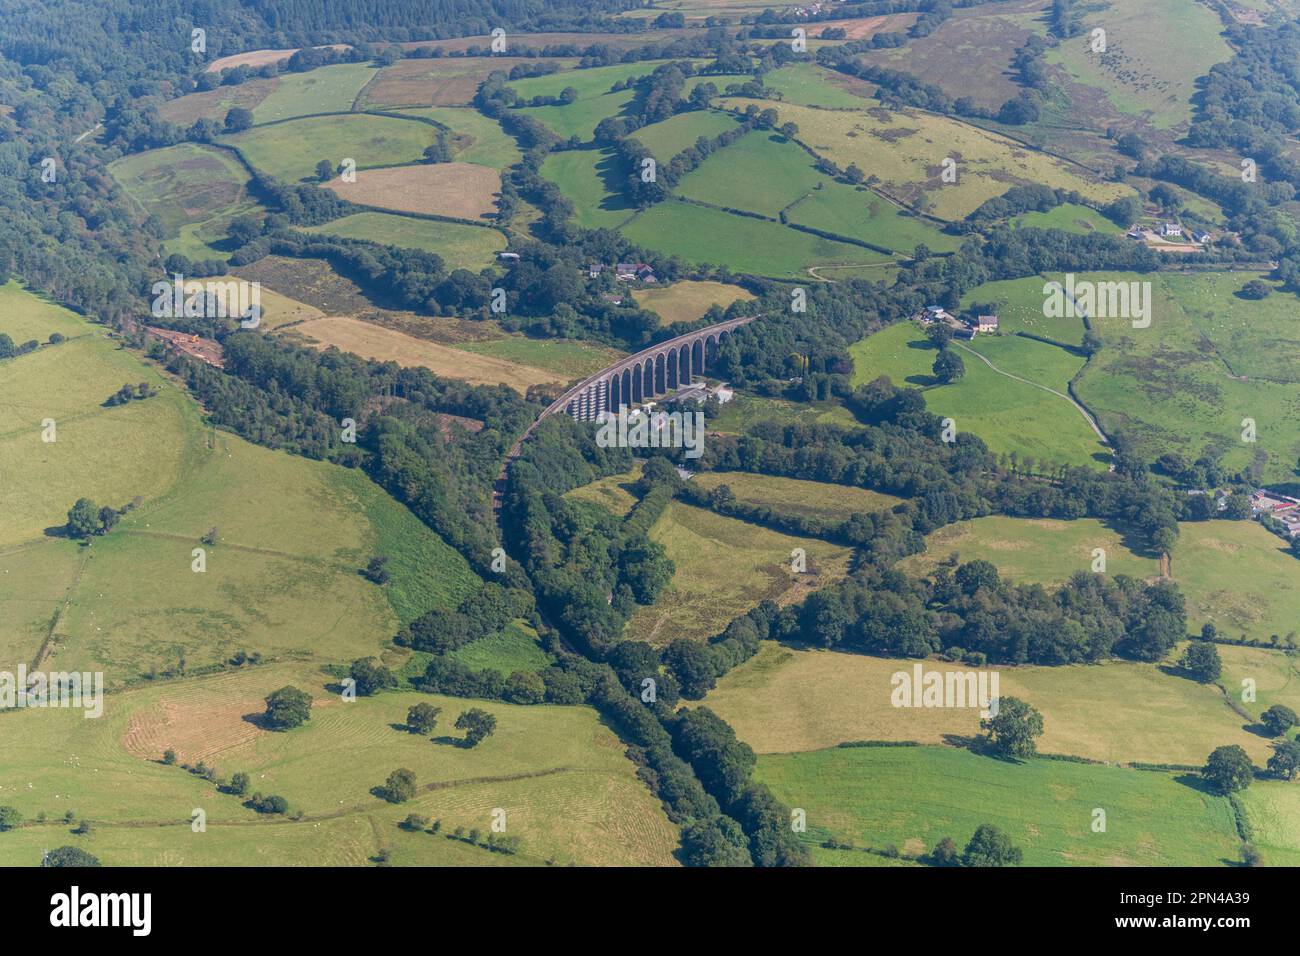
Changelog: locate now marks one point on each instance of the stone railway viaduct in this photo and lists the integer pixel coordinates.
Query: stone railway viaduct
(637, 378)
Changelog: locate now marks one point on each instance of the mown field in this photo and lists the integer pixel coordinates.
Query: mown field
(1011, 416)
(430, 82)
(193, 191)
(560, 775)
(904, 151)
(687, 300)
(912, 797)
(460, 190)
(724, 567)
(460, 246)
(329, 89)
(1070, 217)
(391, 345)
(744, 245)
(790, 699)
(291, 150)
(1208, 361)
(807, 85)
(816, 499)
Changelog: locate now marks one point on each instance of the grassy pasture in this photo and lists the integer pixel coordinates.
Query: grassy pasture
(815, 499)
(760, 172)
(514, 649)
(1155, 51)
(807, 85)
(589, 180)
(557, 771)
(745, 411)
(1009, 415)
(858, 213)
(904, 150)
(290, 151)
(669, 137)
(193, 191)
(329, 89)
(1238, 577)
(913, 796)
(1033, 550)
(461, 246)
(462, 190)
(1188, 381)
(568, 358)
(613, 492)
(390, 345)
(788, 699)
(475, 138)
(1070, 217)
(26, 315)
(746, 245)
(1019, 306)
(687, 300)
(724, 567)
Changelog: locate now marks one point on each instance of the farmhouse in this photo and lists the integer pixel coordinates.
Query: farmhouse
(1201, 236)
(628, 272)
(986, 323)
(1171, 229)
(594, 270)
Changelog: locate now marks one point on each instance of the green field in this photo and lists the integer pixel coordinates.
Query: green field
(816, 499)
(581, 117)
(759, 172)
(666, 139)
(1208, 361)
(461, 246)
(745, 411)
(858, 213)
(903, 151)
(723, 568)
(744, 245)
(1011, 416)
(687, 300)
(475, 138)
(613, 492)
(193, 191)
(787, 699)
(568, 357)
(913, 796)
(1079, 220)
(1234, 574)
(1019, 306)
(329, 89)
(558, 772)
(807, 85)
(292, 533)
(1237, 576)
(514, 649)
(589, 179)
(291, 150)
(28, 315)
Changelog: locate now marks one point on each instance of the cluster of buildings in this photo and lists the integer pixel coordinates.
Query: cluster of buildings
(962, 328)
(1281, 508)
(1169, 230)
(624, 272)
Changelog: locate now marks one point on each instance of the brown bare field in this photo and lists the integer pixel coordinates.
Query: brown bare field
(538, 41)
(441, 82)
(214, 104)
(867, 27)
(389, 345)
(463, 190)
(256, 58)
